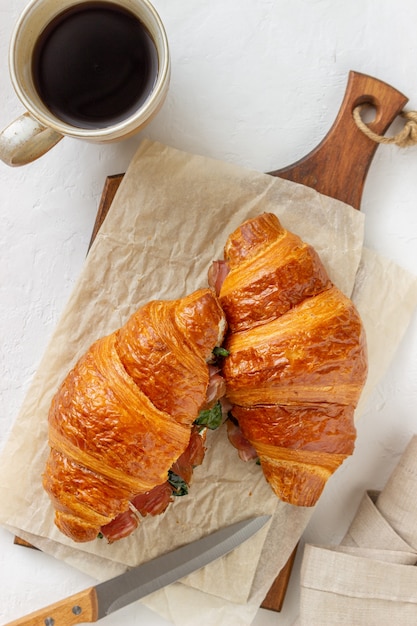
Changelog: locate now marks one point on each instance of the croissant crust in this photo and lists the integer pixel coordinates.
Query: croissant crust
(297, 358)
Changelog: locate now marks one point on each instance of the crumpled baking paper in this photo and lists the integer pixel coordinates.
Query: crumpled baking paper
(169, 220)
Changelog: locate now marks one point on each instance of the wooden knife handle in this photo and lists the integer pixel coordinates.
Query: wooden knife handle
(338, 166)
(76, 609)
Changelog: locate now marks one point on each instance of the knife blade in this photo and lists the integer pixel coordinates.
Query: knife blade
(96, 602)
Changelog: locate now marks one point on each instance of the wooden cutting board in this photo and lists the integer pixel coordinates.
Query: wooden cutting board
(337, 167)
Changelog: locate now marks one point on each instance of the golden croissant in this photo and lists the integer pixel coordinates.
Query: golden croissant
(124, 417)
(297, 358)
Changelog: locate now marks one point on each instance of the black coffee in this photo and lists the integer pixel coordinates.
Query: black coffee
(94, 65)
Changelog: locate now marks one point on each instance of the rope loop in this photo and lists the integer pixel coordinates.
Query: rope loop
(404, 139)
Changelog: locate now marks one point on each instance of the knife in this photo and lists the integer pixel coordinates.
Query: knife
(100, 600)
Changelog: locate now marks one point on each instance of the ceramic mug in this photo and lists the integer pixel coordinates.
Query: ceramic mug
(105, 108)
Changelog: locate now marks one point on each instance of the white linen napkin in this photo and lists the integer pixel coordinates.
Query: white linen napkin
(371, 577)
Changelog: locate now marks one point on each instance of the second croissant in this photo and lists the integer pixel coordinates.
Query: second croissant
(297, 358)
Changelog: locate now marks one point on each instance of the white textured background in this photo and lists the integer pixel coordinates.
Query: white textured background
(255, 82)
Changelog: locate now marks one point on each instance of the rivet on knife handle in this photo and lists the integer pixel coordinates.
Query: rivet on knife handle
(76, 609)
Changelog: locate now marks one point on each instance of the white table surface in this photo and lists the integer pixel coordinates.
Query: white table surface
(258, 83)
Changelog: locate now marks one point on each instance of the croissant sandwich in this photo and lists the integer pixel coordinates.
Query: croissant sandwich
(127, 425)
(297, 358)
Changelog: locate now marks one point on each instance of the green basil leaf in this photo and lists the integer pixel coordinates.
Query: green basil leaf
(219, 351)
(211, 418)
(178, 484)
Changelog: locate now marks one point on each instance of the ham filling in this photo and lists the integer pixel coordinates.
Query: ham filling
(216, 388)
(245, 449)
(216, 275)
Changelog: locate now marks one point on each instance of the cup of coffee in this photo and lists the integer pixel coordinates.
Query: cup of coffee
(96, 70)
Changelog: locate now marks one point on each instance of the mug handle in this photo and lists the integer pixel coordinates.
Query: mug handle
(25, 140)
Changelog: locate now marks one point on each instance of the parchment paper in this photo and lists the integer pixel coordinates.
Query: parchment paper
(170, 218)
